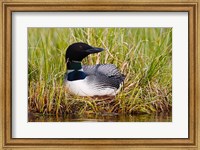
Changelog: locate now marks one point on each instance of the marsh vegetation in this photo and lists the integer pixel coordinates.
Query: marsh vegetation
(143, 55)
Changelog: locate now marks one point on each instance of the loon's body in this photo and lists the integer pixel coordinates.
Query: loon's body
(95, 80)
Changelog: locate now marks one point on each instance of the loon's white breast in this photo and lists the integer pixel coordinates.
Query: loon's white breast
(83, 87)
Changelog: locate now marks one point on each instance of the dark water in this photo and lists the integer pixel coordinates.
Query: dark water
(101, 118)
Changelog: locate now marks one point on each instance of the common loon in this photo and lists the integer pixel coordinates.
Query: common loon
(95, 80)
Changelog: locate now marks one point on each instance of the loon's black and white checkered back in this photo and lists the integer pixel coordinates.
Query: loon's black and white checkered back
(104, 75)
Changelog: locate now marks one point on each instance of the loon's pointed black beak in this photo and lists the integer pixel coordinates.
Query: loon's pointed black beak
(94, 50)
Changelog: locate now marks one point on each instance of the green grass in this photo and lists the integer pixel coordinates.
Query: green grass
(144, 55)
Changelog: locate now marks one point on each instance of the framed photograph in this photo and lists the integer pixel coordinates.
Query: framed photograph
(107, 75)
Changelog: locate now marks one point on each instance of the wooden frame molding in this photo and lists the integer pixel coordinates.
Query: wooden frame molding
(10, 6)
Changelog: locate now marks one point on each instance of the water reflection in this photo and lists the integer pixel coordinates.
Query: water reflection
(100, 118)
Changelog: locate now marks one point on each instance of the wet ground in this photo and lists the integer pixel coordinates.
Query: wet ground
(101, 118)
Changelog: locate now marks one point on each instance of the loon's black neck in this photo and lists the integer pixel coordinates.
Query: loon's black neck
(75, 71)
(74, 65)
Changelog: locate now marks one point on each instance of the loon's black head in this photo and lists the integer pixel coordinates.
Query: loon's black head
(78, 51)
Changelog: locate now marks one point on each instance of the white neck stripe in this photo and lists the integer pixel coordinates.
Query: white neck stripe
(76, 61)
(71, 70)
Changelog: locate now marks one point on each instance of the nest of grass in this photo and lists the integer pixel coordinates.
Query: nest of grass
(62, 103)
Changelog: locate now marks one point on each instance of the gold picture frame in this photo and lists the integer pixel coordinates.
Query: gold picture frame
(9, 6)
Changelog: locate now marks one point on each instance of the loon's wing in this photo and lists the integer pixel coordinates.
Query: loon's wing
(104, 75)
